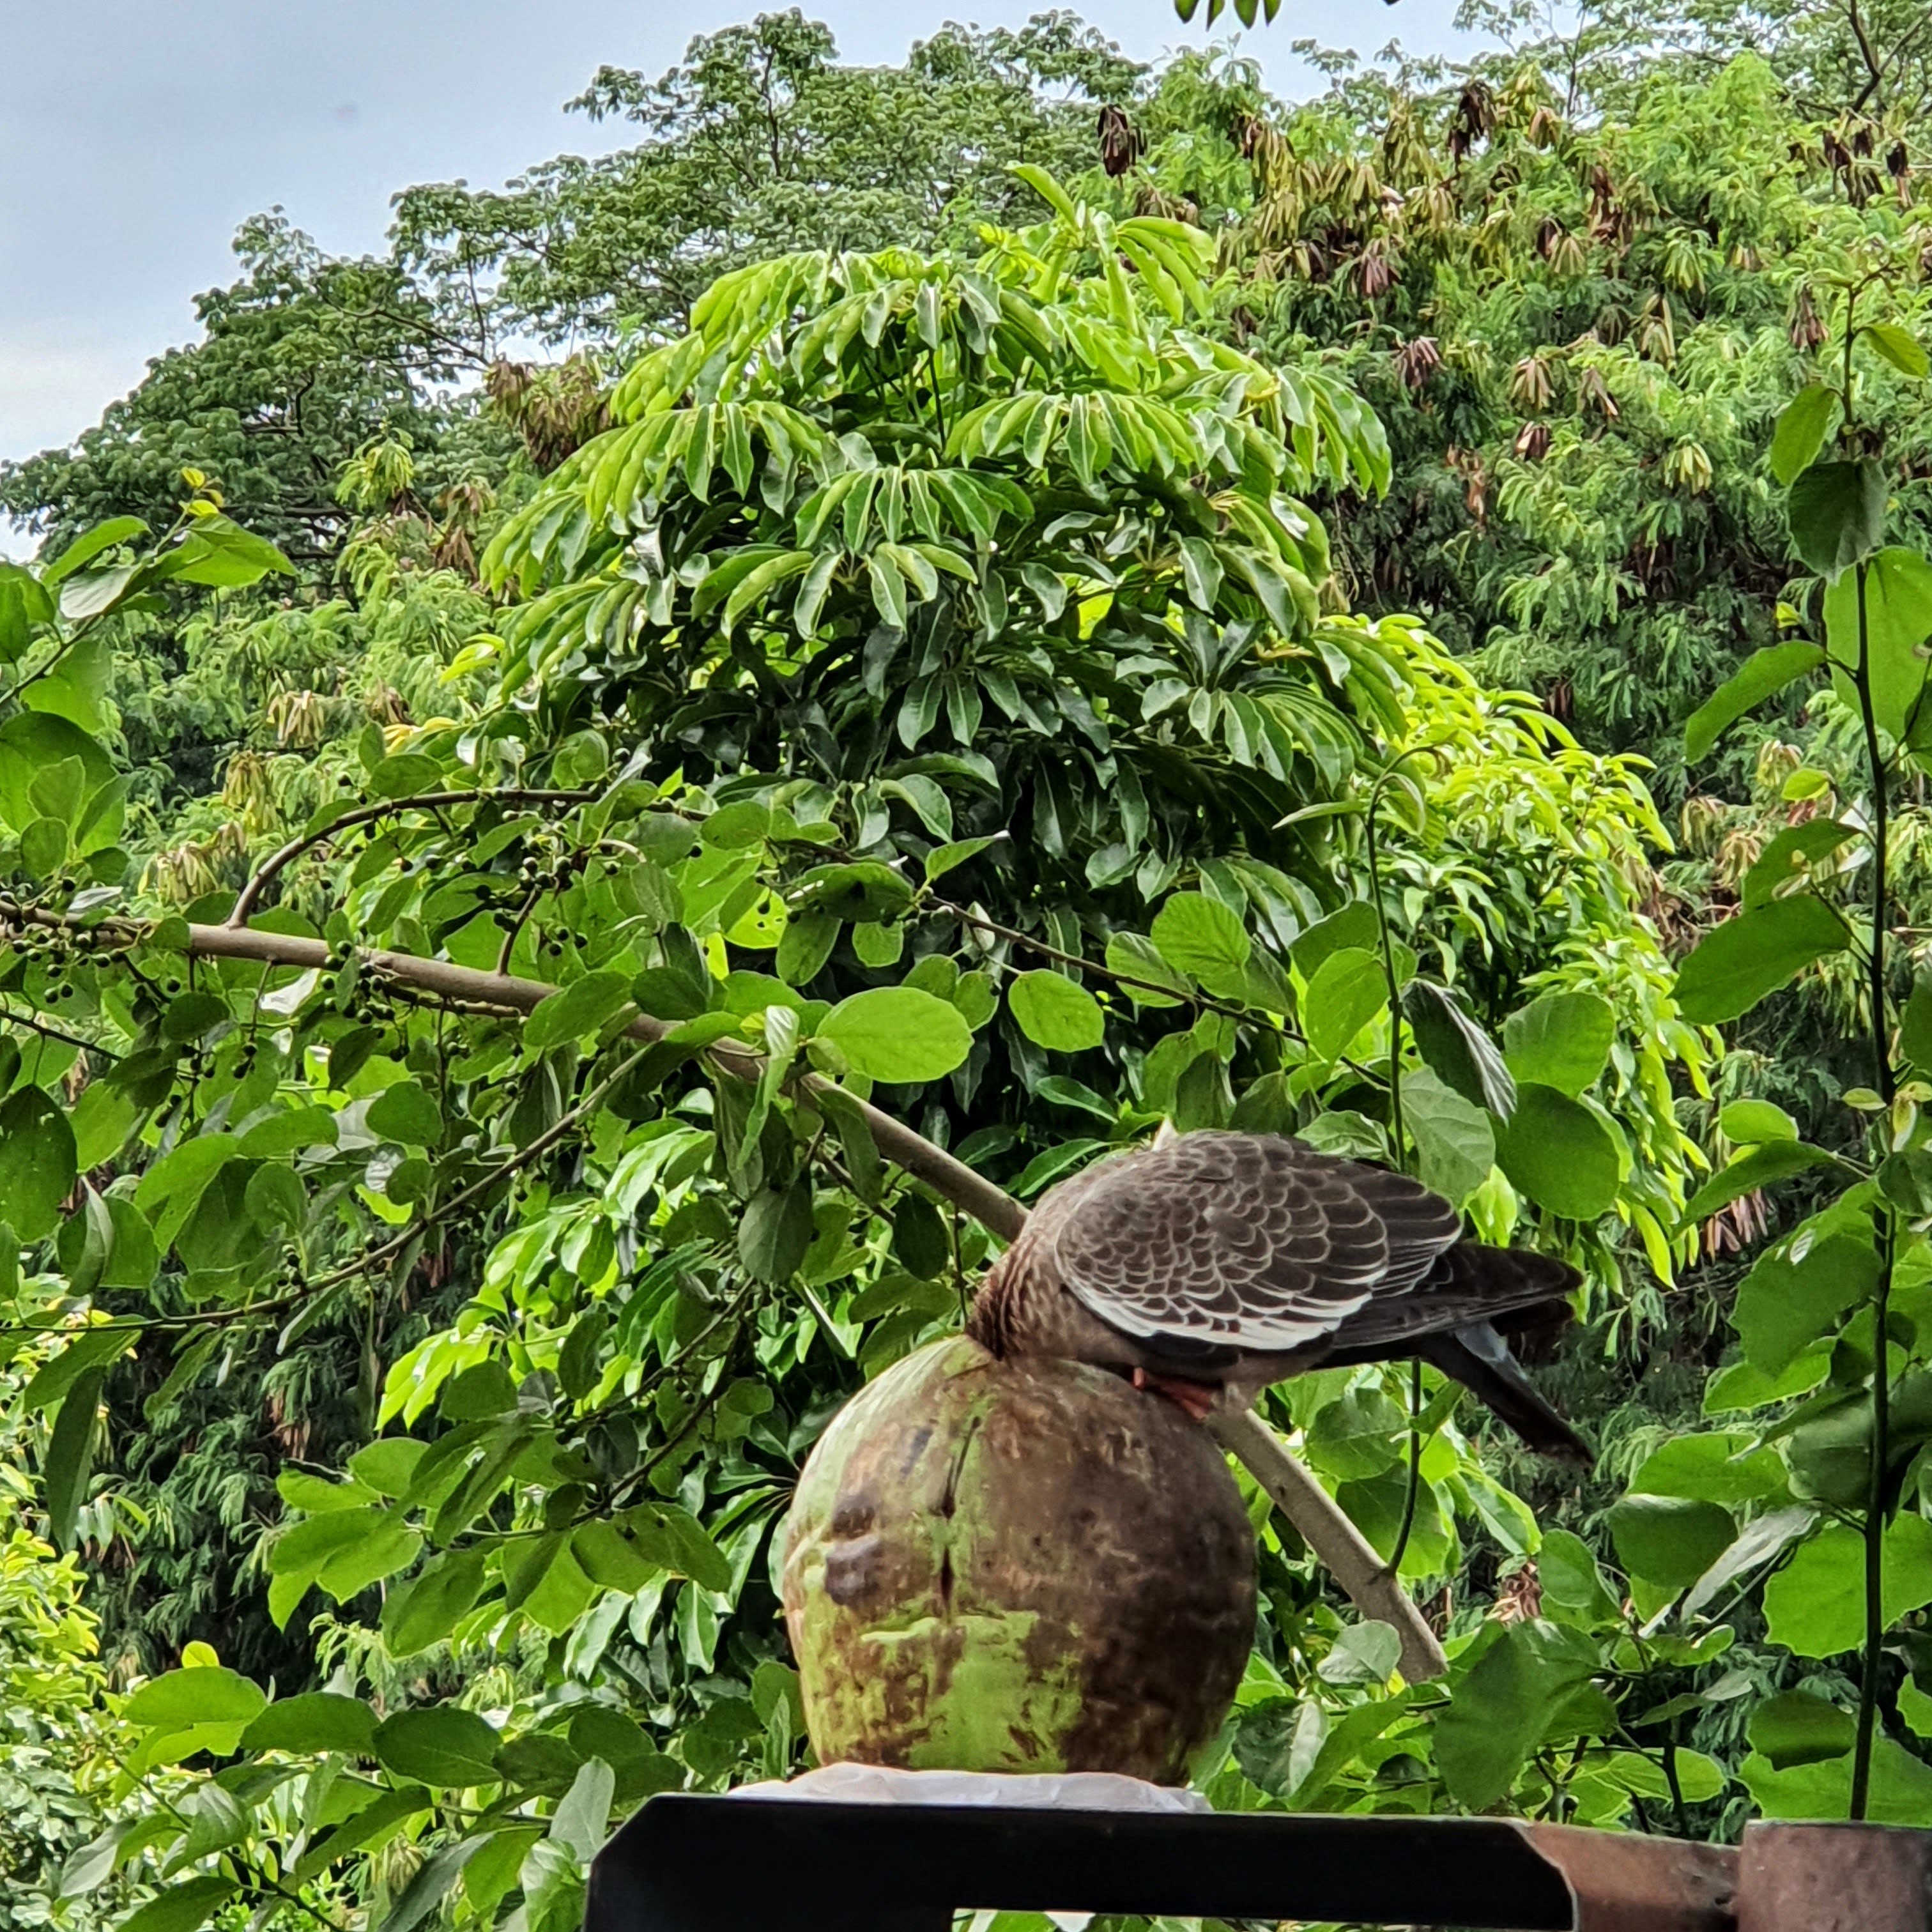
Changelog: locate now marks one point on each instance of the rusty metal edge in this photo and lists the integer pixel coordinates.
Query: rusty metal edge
(1626, 1881)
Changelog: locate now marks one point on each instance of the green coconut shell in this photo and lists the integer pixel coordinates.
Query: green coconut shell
(1021, 1566)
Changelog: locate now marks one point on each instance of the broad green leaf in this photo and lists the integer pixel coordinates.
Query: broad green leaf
(439, 1744)
(209, 1694)
(581, 1008)
(1365, 1653)
(1457, 1048)
(1915, 1026)
(1349, 988)
(1900, 347)
(70, 1455)
(1143, 970)
(1561, 1040)
(90, 1348)
(1815, 1605)
(425, 1609)
(674, 1540)
(314, 1722)
(425, 1892)
(1715, 1469)
(407, 1112)
(583, 1814)
(1786, 859)
(774, 1231)
(1455, 1145)
(1784, 1305)
(898, 1035)
(387, 1466)
(1802, 426)
(1670, 1541)
(1359, 1434)
(1559, 1153)
(1754, 954)
(1764, 673)
(1574, 1590)
(1900, 1792)
(1200, 936)
(1497, 1712)
(1837, 512)
(1897, 587)
(37, 1170)
(1797, 1727)
(1056, 1012)
(169, 1190)
(186, 1906)
(1758, 1167)
(1760, 1540)
(1751, 1123)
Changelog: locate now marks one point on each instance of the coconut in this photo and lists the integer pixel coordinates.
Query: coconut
(1018, 1566)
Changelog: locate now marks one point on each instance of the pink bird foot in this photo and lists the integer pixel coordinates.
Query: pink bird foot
(1197, 1399)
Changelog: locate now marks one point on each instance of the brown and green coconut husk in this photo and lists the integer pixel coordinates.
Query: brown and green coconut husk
(1025, 1566)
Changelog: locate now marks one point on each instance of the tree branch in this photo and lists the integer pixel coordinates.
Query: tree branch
(1363, 1576)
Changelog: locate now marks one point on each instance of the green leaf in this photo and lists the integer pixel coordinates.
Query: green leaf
(774, 1231)
(1455, 1145)
(387, 1466)
(581, 1008)
(674, 1540)
(1795, 1727)
(70, 1456)
(1138, 961)
(1561, 1040)
(1815, 1605)
(1763, 673)
(209, 1694)
(1349, 988)
(91, 1348)
(426, 1609)
(425, 1892)
(1900, 347)
(406, 1112)
(1054, 1013)
(1784, 1305)
(1900, 1792)
(1359, 1434)
(1574, 1590)
(1457, 1048)
(37, 1169)
(218, 552)
(1715, 1469)
(1559, 1153)
(1751, 1123)
(1775, 1160)
(1802, 426)
(187, 1906)
(1754, 954)
(1915, 1027)
(316, 1721)
(1898, 623)
(1837, 512)
(1670, 1541)
(1497, 1712)
(1200, 936)
(898, 1035)
(1785, 861)
(440, 1744)
(1760, 1540)
(583, 1814)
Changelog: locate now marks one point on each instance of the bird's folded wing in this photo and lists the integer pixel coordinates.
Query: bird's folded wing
(1263, 1243)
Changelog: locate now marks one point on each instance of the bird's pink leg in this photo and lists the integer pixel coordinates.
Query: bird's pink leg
(1197, 1399)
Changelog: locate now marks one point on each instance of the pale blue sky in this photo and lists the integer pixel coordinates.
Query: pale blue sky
(135, 137)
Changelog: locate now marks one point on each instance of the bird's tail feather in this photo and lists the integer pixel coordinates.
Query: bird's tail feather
(1494, 1377)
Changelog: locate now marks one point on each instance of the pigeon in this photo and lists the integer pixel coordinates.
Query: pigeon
(1210, 1265)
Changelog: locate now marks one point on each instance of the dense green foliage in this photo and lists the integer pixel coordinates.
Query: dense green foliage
(981, 644)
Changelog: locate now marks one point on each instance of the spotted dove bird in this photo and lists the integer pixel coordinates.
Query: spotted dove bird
(1210, 1265)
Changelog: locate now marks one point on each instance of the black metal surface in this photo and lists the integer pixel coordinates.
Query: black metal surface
(746, 1864)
